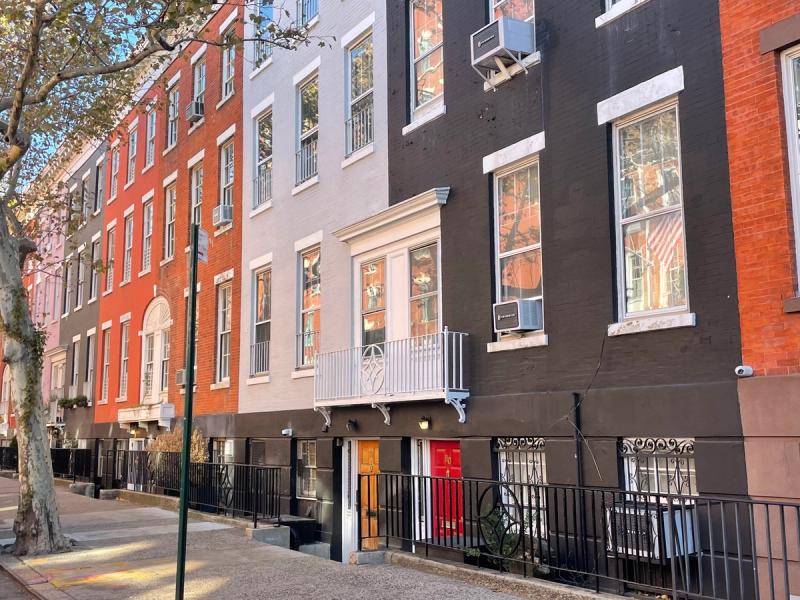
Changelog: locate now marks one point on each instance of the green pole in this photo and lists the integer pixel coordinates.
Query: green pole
(183, 513)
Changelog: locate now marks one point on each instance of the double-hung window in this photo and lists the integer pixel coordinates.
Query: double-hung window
(518, 233)
(311, 304)
(148, 352)
(197, 194)
(99, 185)
(360, 125)
(373, 302)
(262, 322)
(133, 139)
(514, 9)
(308, 129)
(94, 281)
(791, 86)
(106, 365)
(164, 360)
(651, 251)
(263, 183)
(81, 275)
(223, 331)
(84, 202)
(173, 100)
(522, 467)
(427, 56)
(226, 174)
(127, 257)
(424, 290)
(150, 150)
(110, 239)
(199, 82)
(659, 466)
(76, 361)
(147, 236)
(169, 222)
(307, 469)
(67, 290)
(263, 48)
(114, 172)
(88, 387)
(228, 64)
(123, 360)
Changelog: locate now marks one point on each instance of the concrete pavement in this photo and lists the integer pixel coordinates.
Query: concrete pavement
(123, 551)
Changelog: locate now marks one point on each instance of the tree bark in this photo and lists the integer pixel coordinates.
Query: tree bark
(37, 526)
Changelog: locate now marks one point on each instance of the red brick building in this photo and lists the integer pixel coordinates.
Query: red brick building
(761, 58)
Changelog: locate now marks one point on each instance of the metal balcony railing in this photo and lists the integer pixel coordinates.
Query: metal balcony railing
(259, 358)
(263, 50)
(307, 158)
(262, 184)
(359, 128)
(307, 349)
(432, 366)
(306, 10)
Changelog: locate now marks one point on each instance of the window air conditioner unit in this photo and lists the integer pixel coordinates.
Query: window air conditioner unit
(650, 532)
(194, 111)
(502, 43)
(518, 315)
(180, 377)
(222, 215)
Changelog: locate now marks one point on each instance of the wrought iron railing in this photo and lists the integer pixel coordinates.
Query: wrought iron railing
(259, 358)
(263, 49)
(307, 158)
(262, 184)
(359, 128)
(237, 490)
(306, 10)
(307, 349)
(9, 458)
(72, 463)
(428, 364)
(698, 547)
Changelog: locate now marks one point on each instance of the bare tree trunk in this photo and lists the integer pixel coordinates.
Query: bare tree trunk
(37, 526)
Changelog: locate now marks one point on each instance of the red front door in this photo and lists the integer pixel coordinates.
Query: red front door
(447, 497)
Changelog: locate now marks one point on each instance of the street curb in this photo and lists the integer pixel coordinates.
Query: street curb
(31, 580)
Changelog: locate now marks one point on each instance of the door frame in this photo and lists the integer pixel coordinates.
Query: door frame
(136, 485)
(350, 516)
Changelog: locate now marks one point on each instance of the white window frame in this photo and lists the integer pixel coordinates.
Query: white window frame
(419, 113)
(302, 451)
(302, 310)
(351, 102)
(89, 373)
(99, 187)
(164, 366)
(196, 182)
(227, 86)
(493, 4)
(227, 173)
(148, 365)
(223, 358)
(619, 223)
(301, 137)
(133, 142)
(793, 143)
(147, 236)
(150, 152)
(265, 163)
(170, 203)
(173, 110)
(106, 366)
(254, 316)
(199, 81)
(94, 282)
(111, 235)
(79, 281)
(127, 256)
(74, 376)
(124, 342)
(114, 173)
(67, 297)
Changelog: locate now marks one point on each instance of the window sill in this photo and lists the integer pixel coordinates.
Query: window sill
(166, 261)
(143, 273)
(65, 315)
(91, 301)
(119, 400)
(425, 119)
(258, 380)
(95, 213)
(148, 167)
(652, 323)
(127, 185)
(124, 283)
(195, 126)
(77, 308)
(220, 385)
(499, 79)
(102, 402)
(168, 149)
(263, 208)
(111, 199)
(302, 373)
(617, 11)
(107, 292)
(223, 229)
(312, 22)
(300, 187)
(260, 68)
(792, 305)
(225, 99)
(537, 339)
(359, 154)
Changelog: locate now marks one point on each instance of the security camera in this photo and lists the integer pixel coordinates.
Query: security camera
(743, 371)
(286, 432)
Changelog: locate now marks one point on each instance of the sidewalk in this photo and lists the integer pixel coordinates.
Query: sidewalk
(124, 551)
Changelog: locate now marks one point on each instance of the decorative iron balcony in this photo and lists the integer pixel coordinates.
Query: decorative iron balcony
(307, 158)
(359, 127)
(262, 185)
(263, 50)
(259, 358)
(418, 368)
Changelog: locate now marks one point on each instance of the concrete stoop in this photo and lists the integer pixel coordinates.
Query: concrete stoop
(534, 589)
(275, 536)
(318, 549)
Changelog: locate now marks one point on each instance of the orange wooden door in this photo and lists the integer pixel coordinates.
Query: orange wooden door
(368, 465)
(447, 495)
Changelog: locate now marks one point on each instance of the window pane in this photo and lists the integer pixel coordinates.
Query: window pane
(516, 9)
(520, 223)
(424, 270)
(263, 296)
(650, 166)
(521, 276)
(429, 77)
(264, 137)
(361, 68)
(311, 279)
(424, 315)
(373, 326)
(426, 16)
(309, 106)
(655, 268)
(372, 286)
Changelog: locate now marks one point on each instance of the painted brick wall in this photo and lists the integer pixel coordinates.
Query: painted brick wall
(760, 188)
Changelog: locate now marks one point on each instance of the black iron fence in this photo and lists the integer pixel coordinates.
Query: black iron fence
(72, 463)
(8, 458)
(234, 489)
(704, 548)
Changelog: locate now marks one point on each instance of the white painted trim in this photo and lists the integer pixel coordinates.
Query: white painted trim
(262, 106)
(91, 332)
(258, 380)
(106, 325)
(96, 236)
(220, 385)
(260, 261)
(652, 323)
(359, 154)
(641, 96)
(148, 196)
(133, 125)
(535, 340)
(616, 11)
(82, 247)
(790, 116)
(111, 224)
(198, 54)
(100, 160)
(85, 176)
(125, 318)
(427, 118)
(359, 30)
(223, 277)
(305, 185)
(306, 71)
(73, 187)
(225, 135)
(196, 159)
(513, 153)
(76, 338)
(229, 20)
(115, 143)
(171, 178)
(174, 79)
(308, 241)
(128, 211)
(263, 208)
(302, 373)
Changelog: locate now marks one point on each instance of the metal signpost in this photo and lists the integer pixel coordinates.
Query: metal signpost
(199, 249)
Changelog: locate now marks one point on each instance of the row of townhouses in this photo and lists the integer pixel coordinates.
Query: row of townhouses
(539, 253)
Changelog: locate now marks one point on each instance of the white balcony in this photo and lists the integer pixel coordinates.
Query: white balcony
(55, 414)
(428, 367)
(146, 414)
